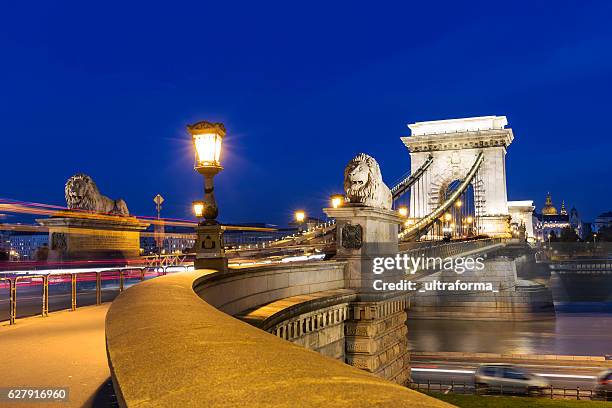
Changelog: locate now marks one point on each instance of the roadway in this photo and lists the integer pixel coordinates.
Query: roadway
(560, 375)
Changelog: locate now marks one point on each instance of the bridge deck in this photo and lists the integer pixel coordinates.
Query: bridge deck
(65, 349)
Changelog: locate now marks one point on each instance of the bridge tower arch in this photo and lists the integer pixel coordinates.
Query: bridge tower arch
(454, 145)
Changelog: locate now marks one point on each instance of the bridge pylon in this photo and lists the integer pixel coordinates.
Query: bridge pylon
(453, 146)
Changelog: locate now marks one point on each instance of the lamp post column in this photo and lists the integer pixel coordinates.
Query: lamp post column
(209, 247)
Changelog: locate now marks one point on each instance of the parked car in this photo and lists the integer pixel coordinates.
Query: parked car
(603, 389)
(508, 378)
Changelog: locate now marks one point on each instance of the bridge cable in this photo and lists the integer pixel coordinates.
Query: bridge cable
(403, 186)
(423, 225)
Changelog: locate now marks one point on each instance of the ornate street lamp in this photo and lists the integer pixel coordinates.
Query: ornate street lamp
(403, 211)
(207, 140)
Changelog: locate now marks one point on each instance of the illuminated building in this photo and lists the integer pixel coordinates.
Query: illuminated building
(603, 220)
(175, 239)
(551, 222)
(521, 213)
(24, 244)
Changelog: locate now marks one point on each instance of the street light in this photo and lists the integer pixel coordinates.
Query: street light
(198, 208)
(337, 200)
(403, 211)
(300, 216)
(458, 204)
(447, 217)
(207, 141)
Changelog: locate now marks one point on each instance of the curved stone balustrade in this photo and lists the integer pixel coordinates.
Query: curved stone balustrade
(244, 288)
(168, 347)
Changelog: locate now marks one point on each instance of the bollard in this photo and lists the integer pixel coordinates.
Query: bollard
(428, 385)
(578, 393)
(45, 299)
(551, 392)
(120, 281)
(73, 280)
(98, 288)
(13, 301)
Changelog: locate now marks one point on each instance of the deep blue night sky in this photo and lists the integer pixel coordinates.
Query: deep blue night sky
(301, 87)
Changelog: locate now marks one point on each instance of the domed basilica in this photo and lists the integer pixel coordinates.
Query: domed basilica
(550, 221)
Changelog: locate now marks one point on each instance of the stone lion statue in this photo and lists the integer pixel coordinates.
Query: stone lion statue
(363, 183)
(83, 194)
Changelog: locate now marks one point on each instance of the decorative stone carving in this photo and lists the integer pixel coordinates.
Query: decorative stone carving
(83, 194)
(363, 183)
(352, 236)
(58, 241)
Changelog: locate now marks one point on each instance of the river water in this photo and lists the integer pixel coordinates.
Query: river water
(580, 334)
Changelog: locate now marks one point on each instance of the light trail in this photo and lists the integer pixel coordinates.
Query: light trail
(444, 370)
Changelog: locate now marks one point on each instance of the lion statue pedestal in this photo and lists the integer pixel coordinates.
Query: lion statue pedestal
(95, 228)
(92, 237)
(367, 228)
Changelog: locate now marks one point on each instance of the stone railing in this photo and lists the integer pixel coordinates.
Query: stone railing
(245, 288)
(167, 346)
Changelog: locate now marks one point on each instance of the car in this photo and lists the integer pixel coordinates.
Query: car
(507, 378)
(603, 389)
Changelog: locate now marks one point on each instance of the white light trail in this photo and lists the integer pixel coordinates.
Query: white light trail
(444, 370)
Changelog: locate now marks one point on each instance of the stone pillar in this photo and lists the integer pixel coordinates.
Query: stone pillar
(375, 331)
(209, 248)
(376, 338)
(85, 236)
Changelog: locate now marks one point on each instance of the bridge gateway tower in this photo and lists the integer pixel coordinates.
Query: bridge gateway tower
(454, 145)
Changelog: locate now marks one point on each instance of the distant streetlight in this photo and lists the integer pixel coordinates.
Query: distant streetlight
(300, 216)
(448, 217)
(458, 204)
(403, 211)
(337, 200)
(207, 140)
